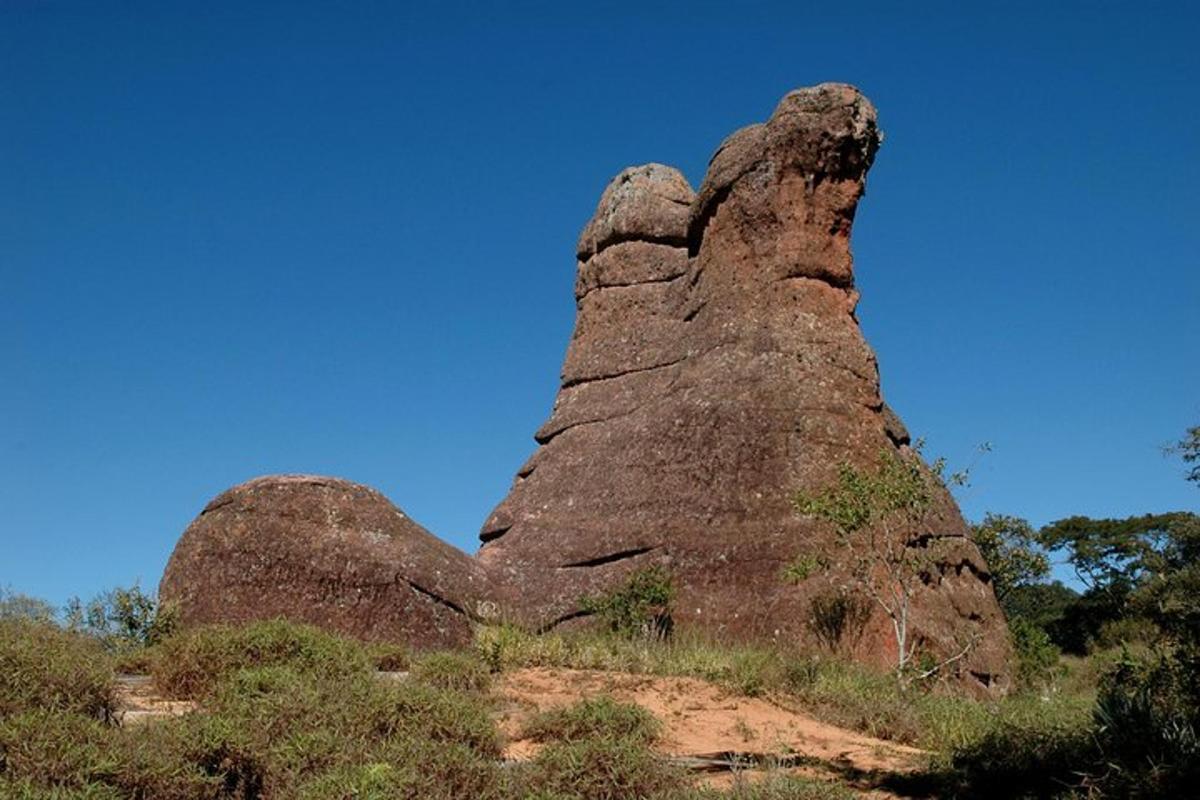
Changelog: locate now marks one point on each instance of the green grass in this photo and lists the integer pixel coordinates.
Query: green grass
(594, 717)
(290, 712)
(43, 667)
(462, 671)
(191, 663)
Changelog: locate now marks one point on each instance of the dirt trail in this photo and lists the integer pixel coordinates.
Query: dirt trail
(698, 718)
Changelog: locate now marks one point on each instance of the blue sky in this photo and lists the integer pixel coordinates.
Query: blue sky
(242, 238)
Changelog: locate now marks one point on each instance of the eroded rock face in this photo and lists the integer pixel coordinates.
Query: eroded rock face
(716, 368)
(327, 552)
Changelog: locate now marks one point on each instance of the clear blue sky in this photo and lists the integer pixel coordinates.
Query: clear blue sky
(241, 238)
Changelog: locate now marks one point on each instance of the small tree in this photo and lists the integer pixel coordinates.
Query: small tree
(1188, 448)
(878, 518)
(640, 606)
(1014, 557)
(123, 619)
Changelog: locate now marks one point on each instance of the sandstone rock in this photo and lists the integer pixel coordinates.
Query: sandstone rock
(716, 368)
(327, 552)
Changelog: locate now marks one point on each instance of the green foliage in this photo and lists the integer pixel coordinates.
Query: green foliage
(43, 667)
(388, 656)
(862, 498)
(600, 768)
(122, 619)
(776, 787)
(1043, 605)
(1117, 554)
(191, 663)
(639, 605)
(1013, 554)
(1038, 659)
(803, 567)
(594, 717)
(1188, 448)
(878, 517)
(51, 748)
(461, 671)
(17, 606)
(1019, 759)
(1148, 724)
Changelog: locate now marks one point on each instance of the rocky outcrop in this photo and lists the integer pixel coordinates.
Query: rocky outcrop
(324, 551)
(716, 368)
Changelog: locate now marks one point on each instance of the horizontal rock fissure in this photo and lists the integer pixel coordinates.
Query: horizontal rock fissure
(622, 238)
(554, 623)
(633, 284)
(579, 381)
(547, 437)
(437, 598)
(621, 555)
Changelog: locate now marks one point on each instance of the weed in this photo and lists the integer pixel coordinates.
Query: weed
(600, 716)
(191, 663)
(461, 671)
(43, 667)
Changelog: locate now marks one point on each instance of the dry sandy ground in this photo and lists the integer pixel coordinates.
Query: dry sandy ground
(701, 719)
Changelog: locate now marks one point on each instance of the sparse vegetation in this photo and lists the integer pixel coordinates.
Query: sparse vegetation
(641, 606)
(878, 517)
(123, 619)
(597, 717)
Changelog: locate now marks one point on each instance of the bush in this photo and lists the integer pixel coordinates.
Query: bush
(52, 748)
(388, 656)
(600, 768)
(1020, 761)
(191, 663)
(601, 716)
(1037, 657)
(1148, 725)
(16, 606)
(639, 606)
(43, 667)
(122, 619)
(836, 614)
(452, 670)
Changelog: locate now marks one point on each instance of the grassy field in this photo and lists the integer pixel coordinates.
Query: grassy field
(286, 711)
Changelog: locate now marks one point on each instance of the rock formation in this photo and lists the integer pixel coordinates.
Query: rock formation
(716, 368)
(327, 552)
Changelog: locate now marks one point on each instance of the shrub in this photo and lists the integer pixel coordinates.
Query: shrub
(43, 667)
(122, 619)
(601, 716)
(1148, 725)
(1037, 657)
(388, 656)
(836, 614)
(53, 748)
(16, 606)
(191, 663)
(452, 670)
(1020, 761)
(639, 606)
(600, 768)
